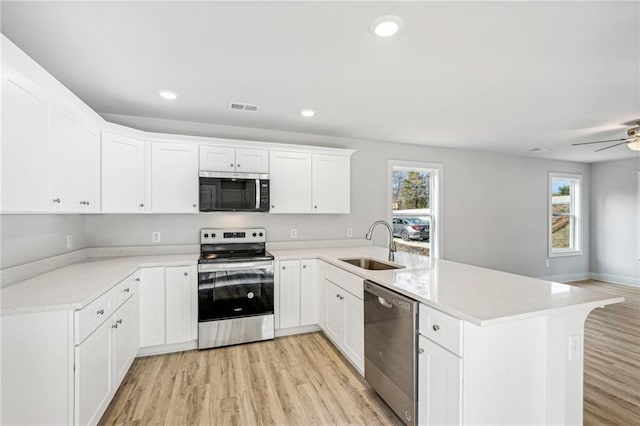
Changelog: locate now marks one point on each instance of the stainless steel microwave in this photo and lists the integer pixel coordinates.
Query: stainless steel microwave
(234, 192)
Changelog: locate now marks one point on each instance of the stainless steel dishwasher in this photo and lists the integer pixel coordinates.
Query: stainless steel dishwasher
(390, 348)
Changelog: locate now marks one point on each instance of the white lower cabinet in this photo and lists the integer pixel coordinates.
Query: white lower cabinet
(297, 293)
(439, 385)
(103, 358)
(343, 318)
(93, 376)
(168, 306)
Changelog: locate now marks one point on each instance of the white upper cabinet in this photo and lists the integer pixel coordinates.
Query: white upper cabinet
(309, 183)
(331, 183)
(174, 178)
(217, 158)
(89, 172)
(290, 176)
(27, 115)
(67, 136)
(227, 159)
(123, 174)
(252, 160)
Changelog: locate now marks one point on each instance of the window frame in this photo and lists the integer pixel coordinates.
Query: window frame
(435, 191)
(576, 206)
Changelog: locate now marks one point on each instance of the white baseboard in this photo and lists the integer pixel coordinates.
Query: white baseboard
(297, 330)
(616, 279)
(562, 278)
(167, 349)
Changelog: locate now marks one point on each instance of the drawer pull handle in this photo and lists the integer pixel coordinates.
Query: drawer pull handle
(115, 325)
(56, 200)
(420, 351)
(100, 312)
(186, 274)
(119, 321)
(141, 204)
(138, 279)
(126, 290)
(436, 327)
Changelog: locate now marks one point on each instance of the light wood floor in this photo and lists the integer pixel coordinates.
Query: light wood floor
(304, 380)
(296, 380)
(612, 358)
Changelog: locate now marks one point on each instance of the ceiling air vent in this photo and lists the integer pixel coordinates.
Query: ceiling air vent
(237, 106)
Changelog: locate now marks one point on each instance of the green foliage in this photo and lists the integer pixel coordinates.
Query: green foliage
(414, 191)
(563, 190)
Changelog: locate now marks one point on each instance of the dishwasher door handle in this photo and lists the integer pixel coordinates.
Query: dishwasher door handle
(384, 303)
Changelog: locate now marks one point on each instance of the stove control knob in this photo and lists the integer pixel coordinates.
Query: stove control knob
(261, 234)
(250, 295)
(254, 234)
(206, 235)
(213, 235)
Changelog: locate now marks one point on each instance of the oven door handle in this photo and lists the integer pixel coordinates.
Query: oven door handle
(257, 194)
(206, 267)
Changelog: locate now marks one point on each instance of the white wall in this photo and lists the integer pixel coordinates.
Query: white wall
(614, 221)
(495, 206)
(26, 238)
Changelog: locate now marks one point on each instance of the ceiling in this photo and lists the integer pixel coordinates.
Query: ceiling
(491, 76)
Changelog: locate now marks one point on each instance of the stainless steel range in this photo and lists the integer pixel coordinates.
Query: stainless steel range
(235, 287)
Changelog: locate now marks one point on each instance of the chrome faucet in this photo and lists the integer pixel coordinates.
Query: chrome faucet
(392, 244)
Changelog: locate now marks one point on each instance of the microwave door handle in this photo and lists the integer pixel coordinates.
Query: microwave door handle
(257, 194)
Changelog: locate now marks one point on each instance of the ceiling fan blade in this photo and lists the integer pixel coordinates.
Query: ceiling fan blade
(610, 140)
(612, 146)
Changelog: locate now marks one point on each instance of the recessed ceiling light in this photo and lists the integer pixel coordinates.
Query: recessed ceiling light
(386, 26)
(306, 112)
(167, 94)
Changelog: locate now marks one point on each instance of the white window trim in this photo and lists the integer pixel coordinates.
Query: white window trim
(576, 202)
(436, 189)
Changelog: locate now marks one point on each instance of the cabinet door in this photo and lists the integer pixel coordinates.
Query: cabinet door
(289, 293)
(68, 134)
(123, 174)
(290, 174)
(93, 375)
(252, 160)
(331, 184)
(180, 288)
(124, 339)
(309, 291)
(217, 158)
(89, 172)
(174, 178)
(439, 385)
(151, 307)
(26, 131)
(354, 329)
(333, 313)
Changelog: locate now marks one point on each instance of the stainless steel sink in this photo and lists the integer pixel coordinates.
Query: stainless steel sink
(370, 264)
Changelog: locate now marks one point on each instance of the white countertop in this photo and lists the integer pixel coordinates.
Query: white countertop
(478, 295)
(77, 285)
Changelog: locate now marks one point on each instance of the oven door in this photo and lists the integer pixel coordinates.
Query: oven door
(228, 290)
(220, 192)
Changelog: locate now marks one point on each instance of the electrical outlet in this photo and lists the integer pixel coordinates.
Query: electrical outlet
(294, 233)
(69, 241)
(547, 263)
(349, 232)
(156, 237)
(574, 347)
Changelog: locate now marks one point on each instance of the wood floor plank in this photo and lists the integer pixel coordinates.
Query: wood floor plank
(612, 358)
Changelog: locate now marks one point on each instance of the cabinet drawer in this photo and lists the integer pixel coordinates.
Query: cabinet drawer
(441, 328)
(124, 290)
(348, 281)
(90, 317)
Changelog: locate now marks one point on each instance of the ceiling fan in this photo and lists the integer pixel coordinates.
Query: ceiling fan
(632, 140)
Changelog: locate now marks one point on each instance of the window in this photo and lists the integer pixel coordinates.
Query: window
(564, 214)
(414, 201)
